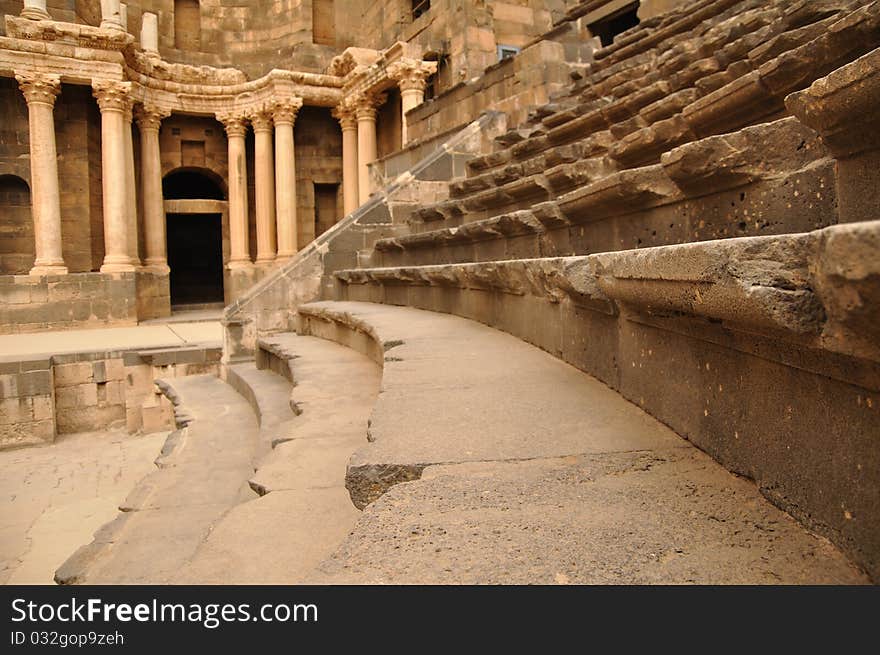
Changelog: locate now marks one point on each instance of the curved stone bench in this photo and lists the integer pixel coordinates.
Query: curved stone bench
(457, 391)
(491, 461)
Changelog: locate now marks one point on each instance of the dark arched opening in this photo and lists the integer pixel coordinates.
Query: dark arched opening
(192, 184)
(16, 226)
(194, 238)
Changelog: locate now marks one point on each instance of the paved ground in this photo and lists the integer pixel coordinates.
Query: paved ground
(53, 498)
(141, 336)
(174, 509)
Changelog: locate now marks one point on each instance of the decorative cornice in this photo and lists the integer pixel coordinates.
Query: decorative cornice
(112, 95)
(39, 87)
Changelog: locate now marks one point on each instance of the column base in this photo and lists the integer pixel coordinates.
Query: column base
(48, 269)
(265, 261)
(239, 263)
(33, 13)
(117, 266)
(157, 268)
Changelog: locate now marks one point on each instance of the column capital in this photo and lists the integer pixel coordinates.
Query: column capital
(284, 110)
(112, 95)
(367, 104)
(345, 114)
(39, 87)
(411, 74)
(149, 117)
(235, 123)
(261, 119)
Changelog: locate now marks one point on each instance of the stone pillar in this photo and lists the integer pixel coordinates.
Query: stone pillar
(284, 115)
(40, 92)
(264, 186)
(236, 129)
(130, 191)
(111, 15)
(114, 101)
(348, 123)
(35, 10)
(150, 34)
(411, 76)
(123, 16)
(149, 121)
(366, 130)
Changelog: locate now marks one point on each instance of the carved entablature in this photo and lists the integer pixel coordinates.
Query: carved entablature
(352, 60)
(112, 95)
(39, 87)
(182, 73)
(84, 36)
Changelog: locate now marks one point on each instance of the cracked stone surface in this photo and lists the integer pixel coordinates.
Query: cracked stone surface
(663, 517)
(53, 498)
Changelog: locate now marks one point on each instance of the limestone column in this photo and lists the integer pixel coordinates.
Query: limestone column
(239, 250)
(114, 101)
(348, 123)
(149, 121)
(411, 76)
(264, 186)
(40, 92)
(111, 15)
(150, 34)
(366, 128)
(284, 115)
(130, 191)
(35, 10)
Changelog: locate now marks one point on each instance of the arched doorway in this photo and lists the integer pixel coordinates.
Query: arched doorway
(194, 236)
(16, 226)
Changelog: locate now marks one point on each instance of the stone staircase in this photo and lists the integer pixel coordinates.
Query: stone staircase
(636, 343)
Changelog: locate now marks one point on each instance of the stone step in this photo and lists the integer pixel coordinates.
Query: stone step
(172, 511)
(531, 471)
(304, 511)
(268, 394)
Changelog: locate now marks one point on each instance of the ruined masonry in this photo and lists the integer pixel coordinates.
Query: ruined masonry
(574, 291)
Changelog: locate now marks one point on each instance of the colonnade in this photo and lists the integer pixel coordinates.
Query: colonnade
(274, 170)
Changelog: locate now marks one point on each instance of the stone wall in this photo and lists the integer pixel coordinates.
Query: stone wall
(81, 392)
(33, 303)
(27, 414)
(514, 86)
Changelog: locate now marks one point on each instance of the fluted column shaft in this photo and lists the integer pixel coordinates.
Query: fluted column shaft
(284, 114)
(264, 187)
(155, 249)
(40, 92)
(114, 101)
(349, 126)
(236, 129)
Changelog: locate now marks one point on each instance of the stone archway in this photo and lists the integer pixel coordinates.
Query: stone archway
(16, 226)
(195, 205)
